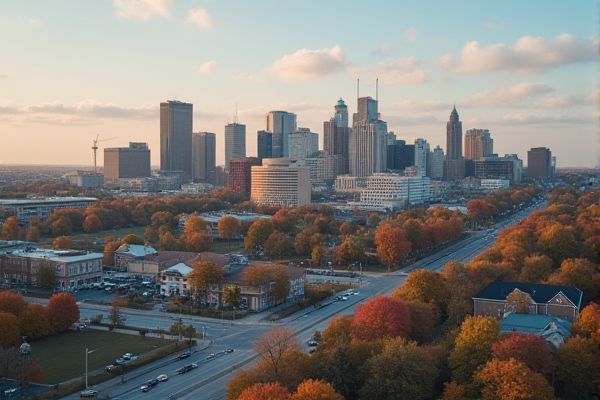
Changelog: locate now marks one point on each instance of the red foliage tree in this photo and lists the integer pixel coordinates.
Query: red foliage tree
(392, 244)
(92, 223)
(480, 210)
(63, 311)
(11, 302)
(34, 321)
(381, 317)
(529, 349)
(265, 391)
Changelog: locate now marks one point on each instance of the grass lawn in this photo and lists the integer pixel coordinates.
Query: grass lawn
(62, 357)
(114, 233)
(222, 246)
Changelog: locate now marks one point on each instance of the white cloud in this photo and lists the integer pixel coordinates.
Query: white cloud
(84, 108)
(200, 18)
(410, 35)
(524, 118)
(507, 96)
(383, 50)
(308, 64)
(560, 101)
(528, 54)
(401, 72)
(207, 67)
(142, 9)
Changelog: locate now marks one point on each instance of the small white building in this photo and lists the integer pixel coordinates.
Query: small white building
(384, 189)
(173, 281)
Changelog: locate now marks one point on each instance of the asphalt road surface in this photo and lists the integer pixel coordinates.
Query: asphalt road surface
(209, 380)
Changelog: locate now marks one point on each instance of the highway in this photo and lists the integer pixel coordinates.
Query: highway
(209, 380)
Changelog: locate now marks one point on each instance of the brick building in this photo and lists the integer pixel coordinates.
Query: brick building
(240, 174)
(500, 298)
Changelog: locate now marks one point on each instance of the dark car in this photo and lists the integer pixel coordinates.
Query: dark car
(187, 368)
(184, 355)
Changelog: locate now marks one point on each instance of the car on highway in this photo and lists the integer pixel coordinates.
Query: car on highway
(149, 385)
(184, 355)
(227, 351)
(88, 394)
(344, 298)
(186, 368)
(210, 356)
(162, 378)
(112, 368)
(313, 343)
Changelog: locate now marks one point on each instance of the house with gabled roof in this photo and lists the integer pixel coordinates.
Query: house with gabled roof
(499, 298)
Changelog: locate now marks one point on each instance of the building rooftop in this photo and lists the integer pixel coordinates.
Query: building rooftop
(179, 269)
(45, 200)
(214, 217)
(136, 250)
(59, 255)
(540, 293)
(533, 323)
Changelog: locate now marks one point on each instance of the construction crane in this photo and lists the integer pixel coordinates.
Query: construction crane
(95, 149)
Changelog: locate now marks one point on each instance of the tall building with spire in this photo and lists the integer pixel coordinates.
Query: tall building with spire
(235, 141)
(367, 147)
(455, 166)
(336, 134)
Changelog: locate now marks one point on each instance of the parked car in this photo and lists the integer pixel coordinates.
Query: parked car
(88, 394)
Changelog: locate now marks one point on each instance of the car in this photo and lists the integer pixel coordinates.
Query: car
(211, 356)
(120, 361)
(149, 385)
(112, 368)
(81, 327)
(88, 394)
(313, 343)
(162, 378)
(184, 355)
(344, 298)
(227, 351)
(187, 368)
(129, 356)
(11, 391)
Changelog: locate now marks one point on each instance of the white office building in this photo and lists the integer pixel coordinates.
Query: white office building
(421, 153)
(302, 144)
(278, 182)
(395, 191)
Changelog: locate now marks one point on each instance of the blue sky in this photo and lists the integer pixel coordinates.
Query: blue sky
(73, 69)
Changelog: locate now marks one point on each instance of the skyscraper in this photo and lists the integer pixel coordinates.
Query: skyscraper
(264, 144)
(280, 183)
(280, 124)
(235, 142)
(421, 154)
(204, 146)
(176, 137)
(367, 146)
(478, 144)
(302, 143)
(539, 163)
(435, 163)
(336, 135)
(454, 137)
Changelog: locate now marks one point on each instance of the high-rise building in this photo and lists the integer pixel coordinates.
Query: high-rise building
(336, 135)
(435, 163)
(455, 167)
(240, 174)
(323, 167)
(478, 144)
(280, 124)
(126, 162)
(264, 144)
(494, 167)
(421, 154)
(176, 137)
(302, 143)
(235, 142)
(367, 146)
(279, 183)
(517, 167)
(539, 163)
(204, 148)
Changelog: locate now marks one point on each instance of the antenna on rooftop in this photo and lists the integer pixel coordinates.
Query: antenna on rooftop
(376, 89)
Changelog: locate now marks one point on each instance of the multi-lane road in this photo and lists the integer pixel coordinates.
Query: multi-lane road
(209, 380)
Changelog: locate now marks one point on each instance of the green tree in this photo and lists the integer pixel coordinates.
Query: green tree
(45, 276)
(402, 368)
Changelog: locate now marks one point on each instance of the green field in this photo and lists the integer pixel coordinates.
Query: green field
(221, 246)
(62, 357)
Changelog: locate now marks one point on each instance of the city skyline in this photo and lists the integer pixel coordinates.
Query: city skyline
(495, 74)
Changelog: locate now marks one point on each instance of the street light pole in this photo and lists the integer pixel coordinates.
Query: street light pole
(86, 365)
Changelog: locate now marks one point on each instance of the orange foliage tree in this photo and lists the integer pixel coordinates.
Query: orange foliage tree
(587, 323)
(392, 244)
(63, 311)
(381, 317)
(315, 389)
(34, 321)
(9, 330)
(529, 349)
(11, 302)
(265, 391)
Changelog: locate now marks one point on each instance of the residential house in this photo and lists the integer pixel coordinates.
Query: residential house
(554, 330)
(499, 298)
(131, 252)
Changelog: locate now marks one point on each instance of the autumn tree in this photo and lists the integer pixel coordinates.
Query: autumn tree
(11, 302)
(167, 241)
(480, 210)
(587, 323)
(272, 346)
(519, 302)
(132, 238)
(423, 317)
(11, 229)
(273, 275)
(229, 227)
(45, 276)
(402, 367)
(239, 382)
(427, 287)
(577, 370)
(151, 235)
(33, 234)
(110, 246)
(198, 242)
(92, 223)
(454, 391)
(284, 220)
(63, 311)
(203, 275)
(278, 245)
(350, 250)
(392, 244)
(258, 233)
(33, 321)
(529, 349)
(558, 242)
(115, 314)
(265, 391)
(318, 254)
(61, 226)
(473, 347)
(9, 333)
(315, 389)
(62, 243)
(338, 333)
(536, 268)
(510, 380)
(578, 272)
(232, 295)
(381, 317)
